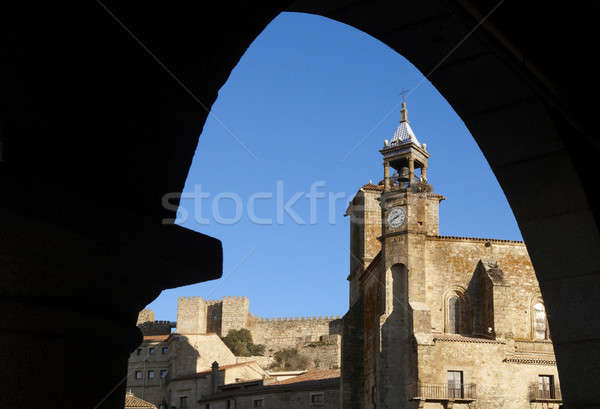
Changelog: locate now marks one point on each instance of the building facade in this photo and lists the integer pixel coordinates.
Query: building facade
(437, 321)
(173, 367)
(316, 389)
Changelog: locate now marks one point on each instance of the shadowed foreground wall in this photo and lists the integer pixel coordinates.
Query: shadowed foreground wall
(94, 132)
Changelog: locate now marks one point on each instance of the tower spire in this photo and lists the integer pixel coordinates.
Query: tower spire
(404, 154)
(403, 112)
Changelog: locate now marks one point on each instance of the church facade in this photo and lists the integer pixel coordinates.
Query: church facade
(437, 321)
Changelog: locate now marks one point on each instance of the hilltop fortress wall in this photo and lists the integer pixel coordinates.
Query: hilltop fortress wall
(196, 315)
(318, 338)
(286, 332)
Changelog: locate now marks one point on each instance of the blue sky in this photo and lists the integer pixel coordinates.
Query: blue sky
(309, 105)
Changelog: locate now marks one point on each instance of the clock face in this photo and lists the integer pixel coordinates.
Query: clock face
(396, 217)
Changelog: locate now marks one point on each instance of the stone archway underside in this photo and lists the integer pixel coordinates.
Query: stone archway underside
(95, 132)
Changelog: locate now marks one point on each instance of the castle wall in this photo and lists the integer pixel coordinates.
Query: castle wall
(145, 315)
(323, 354)
(155, 327)
(214, 314)
(191, 315)
(289, 332)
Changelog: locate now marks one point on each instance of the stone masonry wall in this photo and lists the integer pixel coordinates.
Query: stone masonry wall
(324, 354)
(191, 315)
(289, 332)
(365, 227)
(155, 327)
(214, 314)
(451, 263)
(235, 314)
(145, 315)
(197, 316)
(499, 383)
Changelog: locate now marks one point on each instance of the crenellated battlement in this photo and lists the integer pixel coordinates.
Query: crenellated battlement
(190, 298)
(281, 319)
(196, 315)
(156, 327)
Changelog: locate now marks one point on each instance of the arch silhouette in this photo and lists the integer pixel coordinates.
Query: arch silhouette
(89, 147)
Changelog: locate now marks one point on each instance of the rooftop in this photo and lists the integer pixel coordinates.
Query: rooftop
(315, 375)
(404, 133)
(132, 401)
(208, 371)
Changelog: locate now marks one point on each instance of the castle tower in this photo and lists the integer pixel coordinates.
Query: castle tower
(191, 315)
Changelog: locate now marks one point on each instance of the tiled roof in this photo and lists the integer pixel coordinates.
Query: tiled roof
(315, 375)
(371, 186)
(221, 368)
(310, 381)
(474, 239)
(462, 338)
(132, 401)
(156, 337)
(530, 359)
(404, 134)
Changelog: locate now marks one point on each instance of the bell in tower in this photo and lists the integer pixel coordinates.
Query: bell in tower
(405, 155)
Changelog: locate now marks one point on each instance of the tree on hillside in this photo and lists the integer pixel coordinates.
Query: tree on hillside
(289, 359)
(239, 341)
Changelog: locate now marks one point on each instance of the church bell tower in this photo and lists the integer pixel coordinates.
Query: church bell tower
(409, 208)
(409, 214)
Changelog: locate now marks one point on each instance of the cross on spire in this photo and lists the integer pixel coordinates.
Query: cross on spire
(404, 93)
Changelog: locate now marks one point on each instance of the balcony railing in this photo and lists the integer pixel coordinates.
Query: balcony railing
(537, 394)
(442, 391)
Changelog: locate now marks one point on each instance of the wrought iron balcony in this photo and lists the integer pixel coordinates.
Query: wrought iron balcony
(443, 392)
(545, 394)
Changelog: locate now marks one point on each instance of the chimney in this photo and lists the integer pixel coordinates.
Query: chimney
(214, 376)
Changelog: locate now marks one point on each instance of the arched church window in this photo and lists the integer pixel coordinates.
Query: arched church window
(453, 315)
(540, 327)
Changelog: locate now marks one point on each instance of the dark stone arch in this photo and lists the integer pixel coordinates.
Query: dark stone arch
(97, 134)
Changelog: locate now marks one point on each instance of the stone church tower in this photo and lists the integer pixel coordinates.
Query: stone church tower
(425, 307)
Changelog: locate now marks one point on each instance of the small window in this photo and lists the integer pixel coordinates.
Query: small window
(151, 351)
(230, 403)
(138, 352)
(546, 387)
(453, 315)
(151, 374)
(163, 373)
(455, 384)
(540, 327)
(258, 403)
(183, 402)
(317, 398)
(165, 350)
(139, 375)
